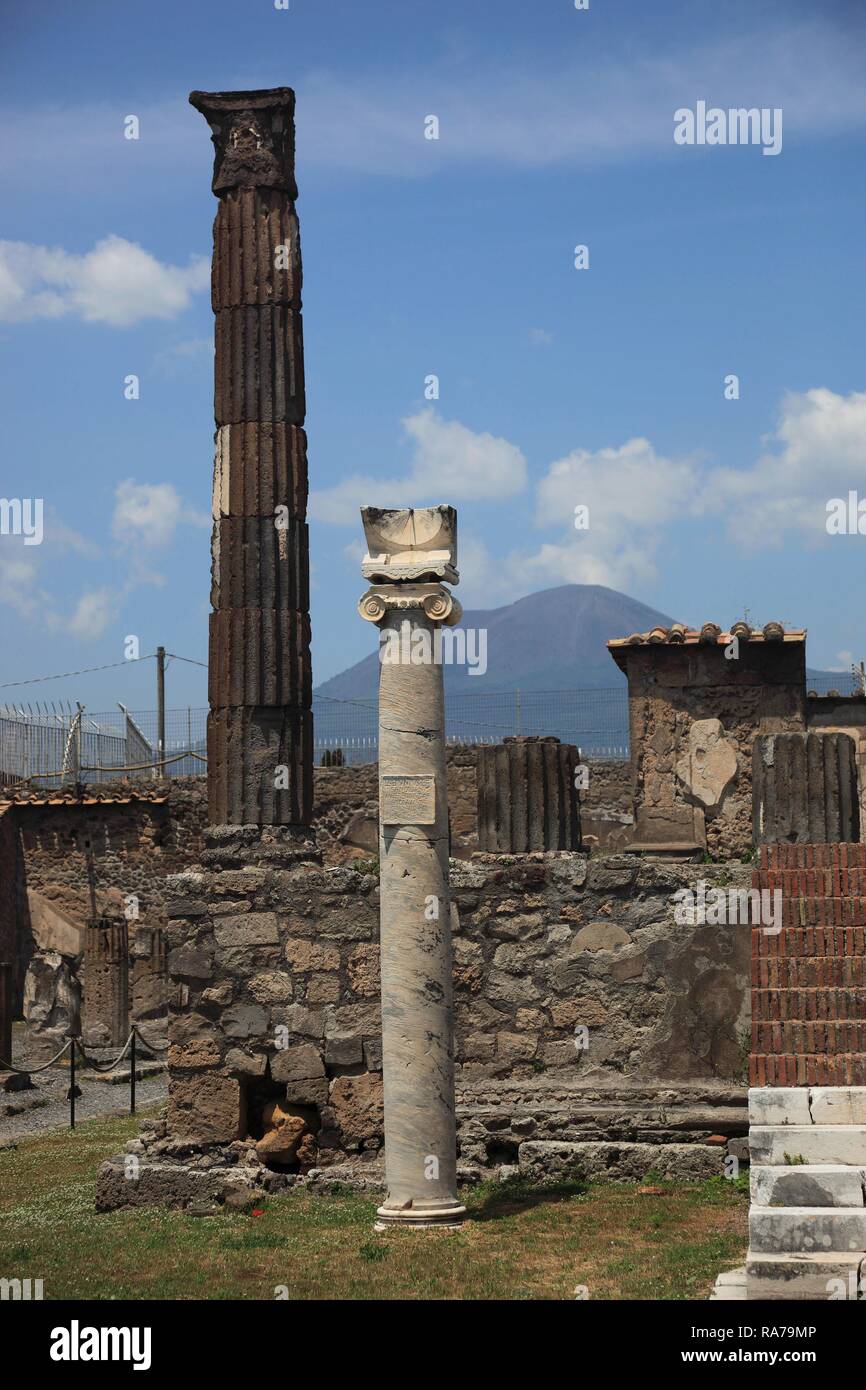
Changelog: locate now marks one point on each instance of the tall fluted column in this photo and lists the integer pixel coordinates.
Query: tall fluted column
(417, 1024)
(260, 687)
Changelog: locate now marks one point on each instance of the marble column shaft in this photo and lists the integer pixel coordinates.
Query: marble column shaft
(417, 1024)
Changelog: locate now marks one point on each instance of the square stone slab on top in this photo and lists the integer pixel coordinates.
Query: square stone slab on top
(410, 543)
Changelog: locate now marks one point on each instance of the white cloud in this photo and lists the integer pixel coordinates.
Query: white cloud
(450, 462)
(569, 113)
(118, 283)
(19, 580)
(637, 497)
(178, 357)
(148, 514)
(539, 337)
(145, 519)
(93, 612)
(632, 493)
(561, 112)
(819, 452)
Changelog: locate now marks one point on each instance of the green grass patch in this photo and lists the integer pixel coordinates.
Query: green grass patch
(520, 1241)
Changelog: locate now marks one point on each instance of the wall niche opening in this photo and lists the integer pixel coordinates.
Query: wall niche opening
(284, 1133)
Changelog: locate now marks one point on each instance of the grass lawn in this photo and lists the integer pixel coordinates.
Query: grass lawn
(520, 1242)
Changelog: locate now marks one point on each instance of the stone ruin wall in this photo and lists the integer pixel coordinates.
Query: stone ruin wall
(346, 810)
(8, 874)
(136, 844)
(132, 845)
(542, 944)
(669, 691)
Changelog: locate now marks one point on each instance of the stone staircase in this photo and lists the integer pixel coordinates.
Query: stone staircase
(807, 1072)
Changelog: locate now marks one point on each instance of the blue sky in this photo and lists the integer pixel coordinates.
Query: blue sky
(454, 257)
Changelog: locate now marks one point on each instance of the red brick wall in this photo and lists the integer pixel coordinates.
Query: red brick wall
(809, 979)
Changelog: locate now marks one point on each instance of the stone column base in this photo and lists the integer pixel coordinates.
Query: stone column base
(448, 1217)
(807, 1220)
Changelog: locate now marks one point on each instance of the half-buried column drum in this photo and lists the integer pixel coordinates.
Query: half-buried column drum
(527, 796)
(804, 789)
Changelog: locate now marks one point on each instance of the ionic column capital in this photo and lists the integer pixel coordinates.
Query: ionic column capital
(436, 602)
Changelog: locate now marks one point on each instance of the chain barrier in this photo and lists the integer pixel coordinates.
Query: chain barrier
(34, 1071)
(74, 1044)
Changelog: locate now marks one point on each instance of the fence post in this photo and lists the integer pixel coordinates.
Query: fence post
(72, 1051)
(132, 1074)
(160, 709)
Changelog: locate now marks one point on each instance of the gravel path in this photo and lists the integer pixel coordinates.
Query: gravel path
(51, 1110)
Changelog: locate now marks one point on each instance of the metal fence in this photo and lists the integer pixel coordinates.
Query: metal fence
(596, 720)
(60, 743)
(57, 743)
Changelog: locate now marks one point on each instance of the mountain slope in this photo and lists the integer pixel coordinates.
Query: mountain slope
(553, 640)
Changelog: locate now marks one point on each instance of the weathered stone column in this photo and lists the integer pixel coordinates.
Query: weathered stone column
(260, 760)
(260, 686)
(410, 552)
(106, 983)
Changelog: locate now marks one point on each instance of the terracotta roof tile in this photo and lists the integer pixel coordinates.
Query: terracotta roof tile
(678, 634)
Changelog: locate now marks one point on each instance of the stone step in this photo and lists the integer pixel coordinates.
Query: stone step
(792, 1145)
(808, 1185)
(807, 1230)
(807, 1105)
(834, 1276)
(730, 1286)
(838, 1105)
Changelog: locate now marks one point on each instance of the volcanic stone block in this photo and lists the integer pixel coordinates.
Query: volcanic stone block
(540, 1160)
(247, 929)
(300, 1063)
(804, 789)
(259, 365)
(256, 250)
(259, 467)
(526, 796)
(204, 1106)
(257, 564)
(252, 752)
(259, 656)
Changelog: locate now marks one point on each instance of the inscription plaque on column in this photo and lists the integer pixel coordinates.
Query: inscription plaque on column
(408, 800)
